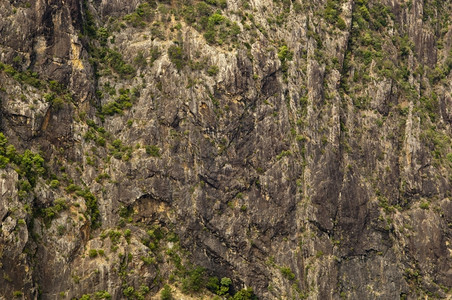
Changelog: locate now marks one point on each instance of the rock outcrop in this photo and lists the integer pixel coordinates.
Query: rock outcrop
(299, 148)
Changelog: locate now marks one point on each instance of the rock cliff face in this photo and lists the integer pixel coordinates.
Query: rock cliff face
(298, 148)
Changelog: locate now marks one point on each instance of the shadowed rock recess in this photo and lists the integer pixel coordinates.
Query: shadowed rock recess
(226, 149)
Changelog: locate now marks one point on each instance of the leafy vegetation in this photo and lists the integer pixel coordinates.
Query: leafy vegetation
(50, 213)
(287, 272)
(217, 28)
(245, 294)
(143, 14)
(115, 61)
(124, 101)
(212, 70)
(176, 56)
(193, 280)
(92, 253)
(153, 150)
(284, 55)
(29, 166)
(29, 77)
(166, 293)
(99, 295)
(332, 13)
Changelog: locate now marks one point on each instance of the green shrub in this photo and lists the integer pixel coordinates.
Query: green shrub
(166, 293)
(72, 188)
(50, 213)
(116, 106)
(17, 60)
(154, 53)
(101, 141)
(89, 26)
(61, 229)
(92, 253)
(283, 154)
(449, 157)
(57, 103)
(284, 53)
(153, 150)
(54, 184)
(210, 36)
(135, 20)
(213, 284)
(215, 19)
(140, 60)
(424, 205)
(117, 144)
(102, 295)
(287, 272)
(128, 291)
(341, 23)
(3, 143)
(114, 236)
(245, 294)
(144, 13)
(3, 161)
(102, 36)
(213, 70)
(31, 166)
(56, 87)
(224, 287)
(114, 60)
(148, 260)
(332, 11)
(60, 204)
(176, 56)
(193, 280)
(92, 209)
(144, 289)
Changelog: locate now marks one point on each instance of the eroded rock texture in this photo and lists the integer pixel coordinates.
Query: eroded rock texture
(300, 148)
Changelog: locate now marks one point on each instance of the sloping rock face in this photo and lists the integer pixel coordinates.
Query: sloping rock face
(300, 148)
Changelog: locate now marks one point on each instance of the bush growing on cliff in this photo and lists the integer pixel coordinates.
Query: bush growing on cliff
(213, 284)
(287, 272)
(245, 294)
(128, 291)
(3, 143)
(153, 150)
(92, 209)
(176, 56)
(4, 160)
(114, 60)
(102, 295)
(140, 60)
(284, 55)
(332, 11)
(224, 287)
(166, 293)
(31, 166)
(116, 106)
(92, 253)
(155, 54)
(89, 25)
(213, 70)
(193, 280)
